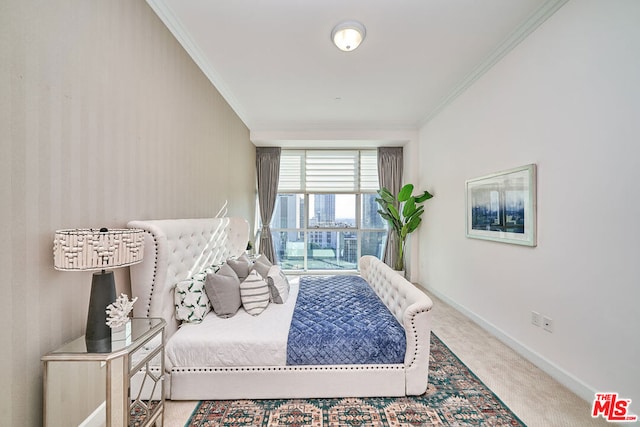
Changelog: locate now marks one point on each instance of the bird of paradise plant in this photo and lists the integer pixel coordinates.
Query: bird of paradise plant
(403, 212)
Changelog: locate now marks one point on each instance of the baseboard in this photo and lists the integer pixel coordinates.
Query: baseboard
(563, 377)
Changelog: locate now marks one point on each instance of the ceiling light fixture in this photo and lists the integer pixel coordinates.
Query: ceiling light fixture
(348, 35)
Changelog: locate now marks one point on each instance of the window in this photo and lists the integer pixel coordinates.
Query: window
(326, 215)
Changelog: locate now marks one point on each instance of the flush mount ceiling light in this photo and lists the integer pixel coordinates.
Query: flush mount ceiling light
(348, 35)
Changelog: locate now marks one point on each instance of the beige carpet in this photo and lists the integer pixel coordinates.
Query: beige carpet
(536, 398)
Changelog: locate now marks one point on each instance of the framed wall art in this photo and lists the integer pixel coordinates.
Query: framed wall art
(502, 206)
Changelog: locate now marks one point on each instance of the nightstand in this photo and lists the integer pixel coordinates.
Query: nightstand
(116, 388)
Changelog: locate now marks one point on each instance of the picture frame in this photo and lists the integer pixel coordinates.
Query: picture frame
(502, 206)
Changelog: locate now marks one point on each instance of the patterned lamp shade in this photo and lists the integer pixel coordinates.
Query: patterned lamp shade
(93, 249)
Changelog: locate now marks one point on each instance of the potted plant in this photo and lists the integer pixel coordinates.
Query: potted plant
(403, 213)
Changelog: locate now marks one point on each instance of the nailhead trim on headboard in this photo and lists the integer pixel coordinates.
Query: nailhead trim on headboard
(155, 271)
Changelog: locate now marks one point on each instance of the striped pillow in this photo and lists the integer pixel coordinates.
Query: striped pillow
(254, 293)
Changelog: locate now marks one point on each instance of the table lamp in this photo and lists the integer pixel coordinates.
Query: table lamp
(98, 249)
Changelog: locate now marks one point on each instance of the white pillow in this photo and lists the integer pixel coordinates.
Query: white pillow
(278, 285)
(262, 269)
(190, 298)
(263, 259)
(254, 293)
(262, 265)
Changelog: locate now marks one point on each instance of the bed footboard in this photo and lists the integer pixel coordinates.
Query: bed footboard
(412, 308)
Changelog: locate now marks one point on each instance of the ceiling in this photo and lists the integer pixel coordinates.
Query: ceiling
(274, 63)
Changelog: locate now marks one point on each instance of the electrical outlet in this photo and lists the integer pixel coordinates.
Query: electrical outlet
(547, 324)
(536, 320)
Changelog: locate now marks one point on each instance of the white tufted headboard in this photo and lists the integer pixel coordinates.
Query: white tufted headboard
(176, 249)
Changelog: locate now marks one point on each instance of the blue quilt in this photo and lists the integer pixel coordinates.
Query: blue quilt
(340, 320)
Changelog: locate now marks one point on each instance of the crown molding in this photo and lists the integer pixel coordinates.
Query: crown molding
(167, 16)
(536, 19)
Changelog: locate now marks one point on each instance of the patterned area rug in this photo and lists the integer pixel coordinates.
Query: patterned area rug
(454, 397)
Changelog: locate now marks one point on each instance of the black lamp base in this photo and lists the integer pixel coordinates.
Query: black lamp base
(103, 293)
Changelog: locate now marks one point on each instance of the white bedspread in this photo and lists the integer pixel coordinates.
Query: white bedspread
(241, 340)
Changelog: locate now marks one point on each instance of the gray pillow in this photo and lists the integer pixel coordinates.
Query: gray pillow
(241, 265)
(278, 285)
(223, 291)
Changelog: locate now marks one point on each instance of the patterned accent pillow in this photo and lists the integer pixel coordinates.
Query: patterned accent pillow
(254, 293)
(278, 285)
(190, 298)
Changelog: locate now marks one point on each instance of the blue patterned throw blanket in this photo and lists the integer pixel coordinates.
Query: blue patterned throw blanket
(340, 320)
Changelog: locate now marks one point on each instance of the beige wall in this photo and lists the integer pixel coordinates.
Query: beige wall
(103, 119)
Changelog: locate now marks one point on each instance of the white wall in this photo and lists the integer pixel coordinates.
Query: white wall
(410, 173)
(568, 99)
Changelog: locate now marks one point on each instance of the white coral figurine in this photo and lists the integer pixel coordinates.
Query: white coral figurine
(118, 312)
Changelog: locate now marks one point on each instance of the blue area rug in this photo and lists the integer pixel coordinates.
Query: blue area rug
(454, 397)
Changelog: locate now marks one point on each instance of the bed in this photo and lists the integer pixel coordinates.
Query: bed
(177, 249)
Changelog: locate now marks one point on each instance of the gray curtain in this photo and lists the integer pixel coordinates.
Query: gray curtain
(390, 177)
(268, 173)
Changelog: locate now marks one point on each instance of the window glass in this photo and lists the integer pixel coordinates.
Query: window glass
(332, 211)
(289, 247)
(326, 216)
(373, 243)
(370, 216)
(288, 212)
(332, 250)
